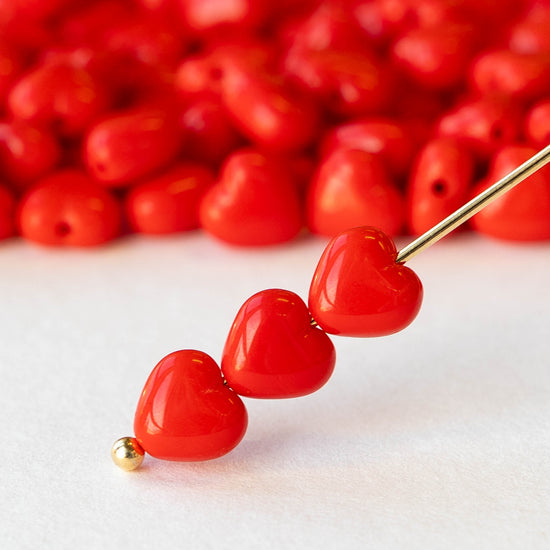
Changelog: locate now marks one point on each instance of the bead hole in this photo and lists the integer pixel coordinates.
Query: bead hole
(439, 188)
(496, 133)
(62, 229)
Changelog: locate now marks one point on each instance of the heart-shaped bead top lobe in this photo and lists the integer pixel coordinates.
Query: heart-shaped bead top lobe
(186, 412)
(359, 290)
(273, 351)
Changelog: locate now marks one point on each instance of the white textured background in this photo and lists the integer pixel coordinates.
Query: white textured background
(437, 437)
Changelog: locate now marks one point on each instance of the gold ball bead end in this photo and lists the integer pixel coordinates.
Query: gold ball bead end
(127, 453)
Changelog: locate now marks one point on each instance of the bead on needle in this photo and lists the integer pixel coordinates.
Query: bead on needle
(472, 207)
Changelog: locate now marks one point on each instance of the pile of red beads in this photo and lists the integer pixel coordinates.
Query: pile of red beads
(255, 119)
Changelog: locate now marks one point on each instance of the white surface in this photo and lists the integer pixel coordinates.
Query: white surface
(437, 437)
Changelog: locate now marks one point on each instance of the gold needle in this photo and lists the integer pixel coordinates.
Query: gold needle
(464, 213)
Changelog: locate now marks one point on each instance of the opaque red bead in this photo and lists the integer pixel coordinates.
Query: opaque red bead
(390, 139)
(523, 213)
(537, 124)
(169, 202)
(68, 209)
(268, 111)
(255, 201)
(63, 97)
(208, 133)
(440, 183)
(127, 146)
(273, 351)
(485, 124)
(186, 413)
(352, 188)
(346, 83)
(359, 290)
(435, 57)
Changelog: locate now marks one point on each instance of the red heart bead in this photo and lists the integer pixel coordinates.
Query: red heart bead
(273, 350)
(352, 188)
(254, 203)
(523, 213)
(185, 411)
(359, 290)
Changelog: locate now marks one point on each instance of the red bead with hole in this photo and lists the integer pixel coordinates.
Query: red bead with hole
(208, 133)
(168, 203)
(352, 188)
(523, 213)
(130, 145)
(185, 411)
(483, 124)
(435, 57)
(67, 208)
(255, 201)
(273, 351)
(359, 290)
(440, 183)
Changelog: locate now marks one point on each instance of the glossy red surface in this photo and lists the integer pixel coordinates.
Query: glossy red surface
(67, 208)
(359, 290)
(272, 350)
(268, 111)
(186, 413)
(439, 184)
(523, 213)
(255, 201)
(169, 202)
(127, 146)
(353, 188)
(65, 98)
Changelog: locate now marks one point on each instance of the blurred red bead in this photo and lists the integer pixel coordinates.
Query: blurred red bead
(268, 111)
(7, 213)
(439, 184)
(537, 124)
(523, 213)
(186, 412)
(27, 153)
(483, 124)
(208, 133)
(346, 83)
(353, 188)
(130, 145)
(68, 209)
(435, 57)
(255, 201)
(392, 140)
(525, 77)
(63, 97)
(170, 202)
